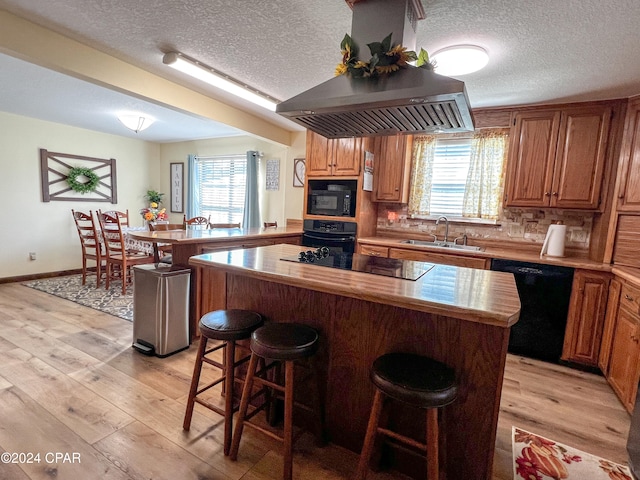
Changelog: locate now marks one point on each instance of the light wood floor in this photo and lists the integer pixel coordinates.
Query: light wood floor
(70, 383)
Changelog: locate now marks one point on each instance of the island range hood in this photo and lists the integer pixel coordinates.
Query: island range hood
(410, 101)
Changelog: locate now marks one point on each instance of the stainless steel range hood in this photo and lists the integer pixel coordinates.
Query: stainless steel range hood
(411, 101)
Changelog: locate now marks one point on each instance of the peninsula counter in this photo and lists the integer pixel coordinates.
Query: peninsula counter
(459, 316)
(194, 241)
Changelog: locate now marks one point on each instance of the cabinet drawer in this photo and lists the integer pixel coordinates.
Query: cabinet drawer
(374, 250)
(630, 298)
(424, 256)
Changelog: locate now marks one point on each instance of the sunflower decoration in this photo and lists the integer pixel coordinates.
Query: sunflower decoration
(384, 60)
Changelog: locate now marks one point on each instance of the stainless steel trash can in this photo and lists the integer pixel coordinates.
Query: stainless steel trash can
(160, 309)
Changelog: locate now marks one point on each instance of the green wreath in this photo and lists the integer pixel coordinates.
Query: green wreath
(89, 186)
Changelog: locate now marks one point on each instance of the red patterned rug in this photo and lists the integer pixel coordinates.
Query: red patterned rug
(538, 458)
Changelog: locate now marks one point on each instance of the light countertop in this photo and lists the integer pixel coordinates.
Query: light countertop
(481, 296)
(523, 255)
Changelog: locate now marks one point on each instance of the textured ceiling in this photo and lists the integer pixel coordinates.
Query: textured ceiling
(540, 52)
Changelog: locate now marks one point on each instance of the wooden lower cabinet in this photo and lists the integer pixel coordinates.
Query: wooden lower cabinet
(624, 360)
(434, 257)
(609, 325)
(586, 316)
(374, 250)
(623, 365)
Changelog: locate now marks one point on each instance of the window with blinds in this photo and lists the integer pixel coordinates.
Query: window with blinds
(450, 168)
(220, 187)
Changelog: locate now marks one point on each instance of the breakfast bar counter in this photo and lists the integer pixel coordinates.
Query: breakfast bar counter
(459, 316)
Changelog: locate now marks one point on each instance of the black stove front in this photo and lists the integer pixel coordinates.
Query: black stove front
(337, 236)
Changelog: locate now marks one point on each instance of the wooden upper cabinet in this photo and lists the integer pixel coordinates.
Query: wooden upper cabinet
(557, 158)
(532, 153)
(335, 157)
(392, 168)
(318, 162)
(629, 192)
(585, 319)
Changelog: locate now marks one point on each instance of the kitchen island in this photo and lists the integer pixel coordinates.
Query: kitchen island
(459, 316)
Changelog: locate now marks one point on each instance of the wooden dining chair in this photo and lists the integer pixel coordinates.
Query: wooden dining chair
(224, 225)
(90, 242)
(119, 260)
(123, 216)
(202, 222)
(270, 224)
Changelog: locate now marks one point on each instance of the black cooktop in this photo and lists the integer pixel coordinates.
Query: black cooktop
(389, 267)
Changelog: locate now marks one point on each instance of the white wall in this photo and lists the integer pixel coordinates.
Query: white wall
(275, 205)
(31, 225)
(47, 228)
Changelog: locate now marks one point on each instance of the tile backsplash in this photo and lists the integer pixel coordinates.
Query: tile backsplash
(522, 226)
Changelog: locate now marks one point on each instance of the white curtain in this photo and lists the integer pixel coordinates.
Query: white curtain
(424, 148)
(485, 180)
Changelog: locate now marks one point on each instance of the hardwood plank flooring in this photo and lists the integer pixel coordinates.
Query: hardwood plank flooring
(71, 383)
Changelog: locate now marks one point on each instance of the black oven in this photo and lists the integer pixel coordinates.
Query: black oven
(337, 236)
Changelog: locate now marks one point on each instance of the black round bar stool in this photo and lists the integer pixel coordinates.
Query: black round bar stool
(283, 343)
(225, 326)
(415, 380)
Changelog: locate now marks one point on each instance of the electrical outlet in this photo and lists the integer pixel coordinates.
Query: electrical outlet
(32, 255)
(579, 236)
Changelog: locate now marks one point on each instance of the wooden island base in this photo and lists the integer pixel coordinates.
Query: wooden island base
(354, 331)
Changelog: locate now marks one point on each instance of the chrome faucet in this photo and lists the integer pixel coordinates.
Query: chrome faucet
(446, 227)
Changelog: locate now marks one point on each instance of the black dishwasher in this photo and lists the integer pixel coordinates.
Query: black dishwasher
(544, 292)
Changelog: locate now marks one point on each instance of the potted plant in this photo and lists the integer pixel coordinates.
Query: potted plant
(154, 197)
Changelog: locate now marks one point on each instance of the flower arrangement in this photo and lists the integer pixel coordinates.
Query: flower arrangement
(384, 58)
(153, 213)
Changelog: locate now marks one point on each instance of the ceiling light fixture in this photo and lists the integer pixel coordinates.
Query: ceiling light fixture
(136, 122)
(460, 60)
(217, 79)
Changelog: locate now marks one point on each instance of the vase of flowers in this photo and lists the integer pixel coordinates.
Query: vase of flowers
(153, 213)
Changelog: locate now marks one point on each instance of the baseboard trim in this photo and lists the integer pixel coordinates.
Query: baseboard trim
(38, 276)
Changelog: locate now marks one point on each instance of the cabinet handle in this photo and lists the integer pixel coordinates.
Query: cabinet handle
(547, 194)
(374, 254)
(621, 196)
(555, 194)
(628, 297)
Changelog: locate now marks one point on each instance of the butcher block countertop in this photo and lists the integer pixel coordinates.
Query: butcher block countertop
(528, 254)
(470, 294)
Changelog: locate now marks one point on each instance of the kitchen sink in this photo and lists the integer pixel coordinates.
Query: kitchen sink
(447, 245)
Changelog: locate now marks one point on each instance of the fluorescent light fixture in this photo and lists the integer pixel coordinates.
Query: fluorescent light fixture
(217, 79)
(136, 122)
(460, 60)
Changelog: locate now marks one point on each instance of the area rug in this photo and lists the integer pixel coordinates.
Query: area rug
(538, 458)
(110, 301)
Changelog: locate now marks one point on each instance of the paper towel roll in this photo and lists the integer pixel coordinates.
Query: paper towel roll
(553, 245)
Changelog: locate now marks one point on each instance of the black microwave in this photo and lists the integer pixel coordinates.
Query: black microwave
(335, 203)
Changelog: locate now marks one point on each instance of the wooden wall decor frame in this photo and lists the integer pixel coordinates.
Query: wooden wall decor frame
(54, 169)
